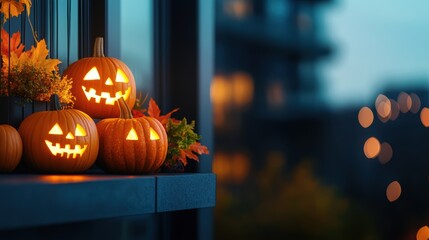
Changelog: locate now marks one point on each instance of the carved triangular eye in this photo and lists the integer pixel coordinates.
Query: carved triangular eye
(80, 131)
(56, 130)
(153, 134)
(92, 75)
(132, 135)
(121, 77)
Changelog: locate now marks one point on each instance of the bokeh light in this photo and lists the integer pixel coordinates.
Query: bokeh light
(231, 167)
(393, 191)
(365, 117)
(242, 86)
(372, 147)
(416, 103)
(383, 107)
(423, 233)
(394, 110)
(405, 102)
(424, 116)
(386, 153)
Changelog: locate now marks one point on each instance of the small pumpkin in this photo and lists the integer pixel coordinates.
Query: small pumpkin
(10, 148)
(131, 145)
(98, 83)
(59, 141)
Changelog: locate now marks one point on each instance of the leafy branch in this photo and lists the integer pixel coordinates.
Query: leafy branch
(183, 141)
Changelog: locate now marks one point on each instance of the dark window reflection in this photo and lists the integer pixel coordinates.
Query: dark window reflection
(321, 115)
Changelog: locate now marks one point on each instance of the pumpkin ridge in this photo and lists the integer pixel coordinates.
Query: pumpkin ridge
(10, 147)
(155, 143)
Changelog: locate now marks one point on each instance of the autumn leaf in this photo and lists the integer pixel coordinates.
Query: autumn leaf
(195, 148)
(27, 5)
(12, 8)
(154, 111)
(199, 148)
(39, 56)
(11, 45)
(184, 155)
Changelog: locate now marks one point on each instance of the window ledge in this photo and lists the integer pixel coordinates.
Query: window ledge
(35, 200)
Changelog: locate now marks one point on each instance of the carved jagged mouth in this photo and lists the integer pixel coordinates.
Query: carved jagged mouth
(56, 149)
(91, 93)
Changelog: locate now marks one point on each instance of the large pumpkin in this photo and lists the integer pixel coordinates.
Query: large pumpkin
(131, 145)
(59, 141)
(10, 148)
(98, 83)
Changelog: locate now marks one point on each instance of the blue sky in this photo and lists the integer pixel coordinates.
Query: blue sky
(378, 43)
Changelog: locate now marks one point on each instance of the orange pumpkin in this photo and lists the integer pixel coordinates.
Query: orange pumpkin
(59, 141)
(131, 145)
(98, 83)
(10, 148)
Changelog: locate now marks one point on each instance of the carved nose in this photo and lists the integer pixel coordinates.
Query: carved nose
(70, 135)
(108, 82)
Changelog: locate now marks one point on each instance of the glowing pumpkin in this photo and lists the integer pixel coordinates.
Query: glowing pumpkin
(131, 145)
(60, 141)
(10, 148)
(98, 83)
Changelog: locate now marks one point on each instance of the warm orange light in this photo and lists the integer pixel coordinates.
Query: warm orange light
(132, 135)
(56, 130)
(424, 116)
(108, 82)
(221, 166)
(393, 191)
(423, 233)
(110, 100)
(153, 134)
(384, 108)
(365, 117)
(371, 147)
(80, 131)
(405, 102)
(220, 91)
(63, 178)
(69, 136)
(242, 87)
(231, 167)
(56, 148)
(92, 74)
(416, 103)
(121, 76)
(386, 153)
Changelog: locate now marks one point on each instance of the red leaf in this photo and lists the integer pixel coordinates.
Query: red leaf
(181, 157)
(198, 148)
(153, 109)
(15, 43)
(137, 113)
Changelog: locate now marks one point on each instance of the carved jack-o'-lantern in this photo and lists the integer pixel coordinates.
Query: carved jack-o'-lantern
(61, 141)
(131, 145)
(98, 83)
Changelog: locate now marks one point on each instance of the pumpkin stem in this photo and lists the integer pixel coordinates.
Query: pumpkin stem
(98, 48)
(55, 104)
(125, 112)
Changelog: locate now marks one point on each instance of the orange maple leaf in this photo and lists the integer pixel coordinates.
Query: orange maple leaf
(14, 8)
(191, 153)
(154, 111)
(11, 45)
(199, 148)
